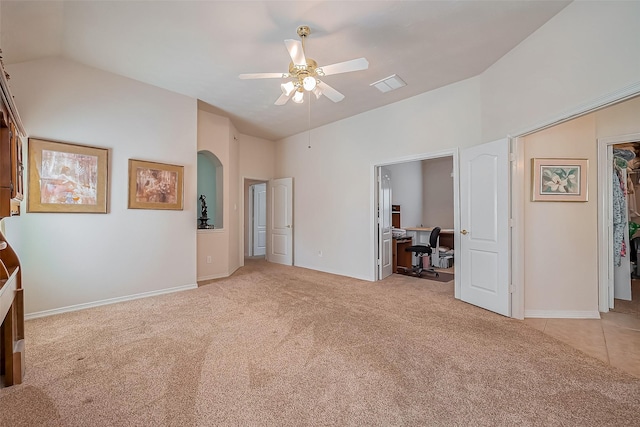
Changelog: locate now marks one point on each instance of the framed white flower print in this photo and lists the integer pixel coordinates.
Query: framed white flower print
(559, 180)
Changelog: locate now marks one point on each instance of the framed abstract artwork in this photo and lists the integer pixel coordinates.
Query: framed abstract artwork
(67, 177)
(559, 180)
(155, 185)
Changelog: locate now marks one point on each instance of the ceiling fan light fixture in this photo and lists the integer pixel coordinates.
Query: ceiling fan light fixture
(304, 73)
(298, 97)
(309, 83)
(287, 88)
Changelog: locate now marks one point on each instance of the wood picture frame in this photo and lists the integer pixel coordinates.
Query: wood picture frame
(67, 178)
(155, 185)
(559, 180)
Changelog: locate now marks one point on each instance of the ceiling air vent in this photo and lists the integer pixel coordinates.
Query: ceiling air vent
(388, 84)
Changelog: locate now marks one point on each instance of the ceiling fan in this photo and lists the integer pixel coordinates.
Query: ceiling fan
(305, 74)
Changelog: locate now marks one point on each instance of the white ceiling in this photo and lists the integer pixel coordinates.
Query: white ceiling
(198, 48)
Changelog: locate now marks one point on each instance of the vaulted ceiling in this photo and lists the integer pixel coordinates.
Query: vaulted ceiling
(198, 48)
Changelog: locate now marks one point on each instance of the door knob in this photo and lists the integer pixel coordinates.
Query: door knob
(288, 226)
(465, 232)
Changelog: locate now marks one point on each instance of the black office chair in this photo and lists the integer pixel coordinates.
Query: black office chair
(420, 250)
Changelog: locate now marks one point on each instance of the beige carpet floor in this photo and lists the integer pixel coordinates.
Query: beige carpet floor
(285, 346)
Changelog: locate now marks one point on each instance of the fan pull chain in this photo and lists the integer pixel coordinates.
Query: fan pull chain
(309, 119)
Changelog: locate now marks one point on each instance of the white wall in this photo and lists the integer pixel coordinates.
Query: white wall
(588, 50)
(561, 242)
(214, 136)
(71, 259)
(406, 191)
(236, 253)
(437, 202)
(334, 179)
(560, 238)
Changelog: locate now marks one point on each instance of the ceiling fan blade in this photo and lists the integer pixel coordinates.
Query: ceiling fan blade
(264, 76)
(330, 92)
(283, 99)
(296, 52)
(343, 67)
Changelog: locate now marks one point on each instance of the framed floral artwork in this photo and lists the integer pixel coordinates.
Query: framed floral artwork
(155, 185)
(67, 177)
(559, 180)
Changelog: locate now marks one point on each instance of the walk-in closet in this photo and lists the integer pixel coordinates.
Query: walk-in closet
(625, 199)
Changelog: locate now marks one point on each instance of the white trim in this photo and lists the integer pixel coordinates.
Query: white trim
(108, 301)
(210, 230)
(456, 222)
(373, 229)
(248, 225)
(605, 251)
(561, 314)
(518, 192)
(242, 224)
(214, 276)
(588, 107)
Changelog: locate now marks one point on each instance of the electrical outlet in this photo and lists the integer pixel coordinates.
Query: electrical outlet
(209, 259)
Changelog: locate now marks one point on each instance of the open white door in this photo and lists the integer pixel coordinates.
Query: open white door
(259, 219)
(484, 223)
(385, 261)
(280, 221)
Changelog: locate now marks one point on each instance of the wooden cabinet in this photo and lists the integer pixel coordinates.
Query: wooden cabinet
(395, 216)
(402, 259)
(11, 168)
(12, 359)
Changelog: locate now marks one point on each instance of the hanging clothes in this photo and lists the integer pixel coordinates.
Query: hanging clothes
(619, 207)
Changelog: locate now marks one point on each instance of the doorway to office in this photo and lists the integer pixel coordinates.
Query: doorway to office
(423, 192)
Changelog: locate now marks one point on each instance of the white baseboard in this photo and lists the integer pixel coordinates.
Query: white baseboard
(562, 314)
(218, 276)
(83, 306)
(214, 276)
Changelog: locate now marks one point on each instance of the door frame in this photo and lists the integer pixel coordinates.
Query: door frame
(517, 230)
(251, 216)
(375, 252)
(605, 251)
(241, 212)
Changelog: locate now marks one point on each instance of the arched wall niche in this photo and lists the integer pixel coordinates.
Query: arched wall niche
(210, 185)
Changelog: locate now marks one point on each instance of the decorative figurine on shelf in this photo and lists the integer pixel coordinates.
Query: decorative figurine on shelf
(203, 213)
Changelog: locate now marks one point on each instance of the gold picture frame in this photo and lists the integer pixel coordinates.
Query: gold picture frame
(559, 180)
(155, 185)
(67, 178)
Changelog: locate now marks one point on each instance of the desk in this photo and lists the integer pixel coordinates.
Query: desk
(422, 235)
(401, 258)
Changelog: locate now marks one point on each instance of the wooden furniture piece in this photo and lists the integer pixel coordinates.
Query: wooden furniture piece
(395, 216)
(401, 258)
(11, 293)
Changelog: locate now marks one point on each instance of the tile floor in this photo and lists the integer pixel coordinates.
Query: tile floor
(614, 339)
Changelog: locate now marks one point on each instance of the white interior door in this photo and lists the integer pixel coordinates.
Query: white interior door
(259, 219)
(385, 261)
(280, 221)
(484, 224)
